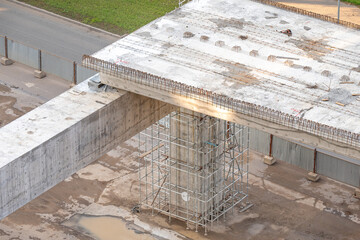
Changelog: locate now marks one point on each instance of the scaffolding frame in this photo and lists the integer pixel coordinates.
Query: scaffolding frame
(193, 167)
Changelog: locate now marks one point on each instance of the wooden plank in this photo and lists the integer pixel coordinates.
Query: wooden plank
(346, 82)
(340, 104)
(150, 151)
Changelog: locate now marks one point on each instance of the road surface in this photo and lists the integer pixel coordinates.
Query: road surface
(50, 33)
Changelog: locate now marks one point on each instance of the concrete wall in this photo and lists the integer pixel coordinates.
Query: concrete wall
(329, 164)
(47, 145)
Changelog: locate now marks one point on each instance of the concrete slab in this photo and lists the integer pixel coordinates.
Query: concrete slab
(39, 74)
(160, 49)
(314, 177)
(289, 92)
(5, 61)
(268, 160)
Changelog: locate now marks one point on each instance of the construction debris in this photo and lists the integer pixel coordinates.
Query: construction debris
(307, 69)
(219, 43)
(204, 38)
(287, 32)
(271, 58)
(345, 78)
(289, 63)
(236, 48)
(254, 53)
(188, 35)
(340, 104)
(326, 73)
(242, 37)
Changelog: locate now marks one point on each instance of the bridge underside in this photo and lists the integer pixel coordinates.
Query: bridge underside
(221, 112)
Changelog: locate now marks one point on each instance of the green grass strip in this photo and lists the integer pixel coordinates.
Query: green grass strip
(117, 16)
(355, 2)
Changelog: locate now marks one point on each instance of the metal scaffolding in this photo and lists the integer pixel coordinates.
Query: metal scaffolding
(193, 167)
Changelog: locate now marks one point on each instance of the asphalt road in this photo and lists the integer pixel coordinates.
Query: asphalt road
(50, 33)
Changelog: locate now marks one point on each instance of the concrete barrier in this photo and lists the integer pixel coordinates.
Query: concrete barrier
(48, 144)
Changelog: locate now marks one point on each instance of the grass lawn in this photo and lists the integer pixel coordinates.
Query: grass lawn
(355, 2)
(117, 16)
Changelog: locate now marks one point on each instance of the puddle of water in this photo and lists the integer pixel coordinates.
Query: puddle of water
(108, 228)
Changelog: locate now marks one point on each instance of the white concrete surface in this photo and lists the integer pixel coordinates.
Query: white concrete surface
(48, 144)
(161, 48)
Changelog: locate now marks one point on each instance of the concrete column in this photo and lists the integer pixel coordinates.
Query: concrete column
(196, 174)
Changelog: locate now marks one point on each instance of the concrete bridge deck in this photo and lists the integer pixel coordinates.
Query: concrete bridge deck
(211, 55)
(206, 58)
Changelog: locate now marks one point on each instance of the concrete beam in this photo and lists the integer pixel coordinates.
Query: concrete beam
(48, 144)
(260, 124)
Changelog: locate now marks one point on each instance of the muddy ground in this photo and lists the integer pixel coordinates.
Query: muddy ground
(96, 202)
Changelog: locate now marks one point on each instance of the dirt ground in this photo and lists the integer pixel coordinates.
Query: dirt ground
(348, 12)
(20, 91)
(96, 202)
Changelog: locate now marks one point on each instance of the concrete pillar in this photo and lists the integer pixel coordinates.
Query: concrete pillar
(196, 175)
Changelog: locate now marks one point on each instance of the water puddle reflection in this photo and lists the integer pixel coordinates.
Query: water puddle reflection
(108, 228)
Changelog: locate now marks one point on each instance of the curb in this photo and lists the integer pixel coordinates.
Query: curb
(66, 19)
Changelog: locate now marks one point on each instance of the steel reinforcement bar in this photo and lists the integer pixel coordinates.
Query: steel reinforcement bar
(222, 101)
(308, 13)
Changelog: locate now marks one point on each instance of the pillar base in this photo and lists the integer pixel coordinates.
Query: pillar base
(39, 74)
(5, 61)
(269, 160)
(357, 193)
(314, 177)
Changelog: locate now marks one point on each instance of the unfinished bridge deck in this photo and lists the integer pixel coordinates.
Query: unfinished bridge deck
(233, 55)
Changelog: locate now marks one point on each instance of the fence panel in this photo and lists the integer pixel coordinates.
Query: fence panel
(57, 66)
(293, 153)
(259, 141)
(83, 73)
(2, 46)
(23, 54)
(338, 169)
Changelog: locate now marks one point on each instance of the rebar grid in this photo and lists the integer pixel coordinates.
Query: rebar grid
(222, 102)
(193, 167)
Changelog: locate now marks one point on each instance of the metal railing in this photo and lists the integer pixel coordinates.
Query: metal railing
(43, 60)
(223, 102)
(309, 13)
